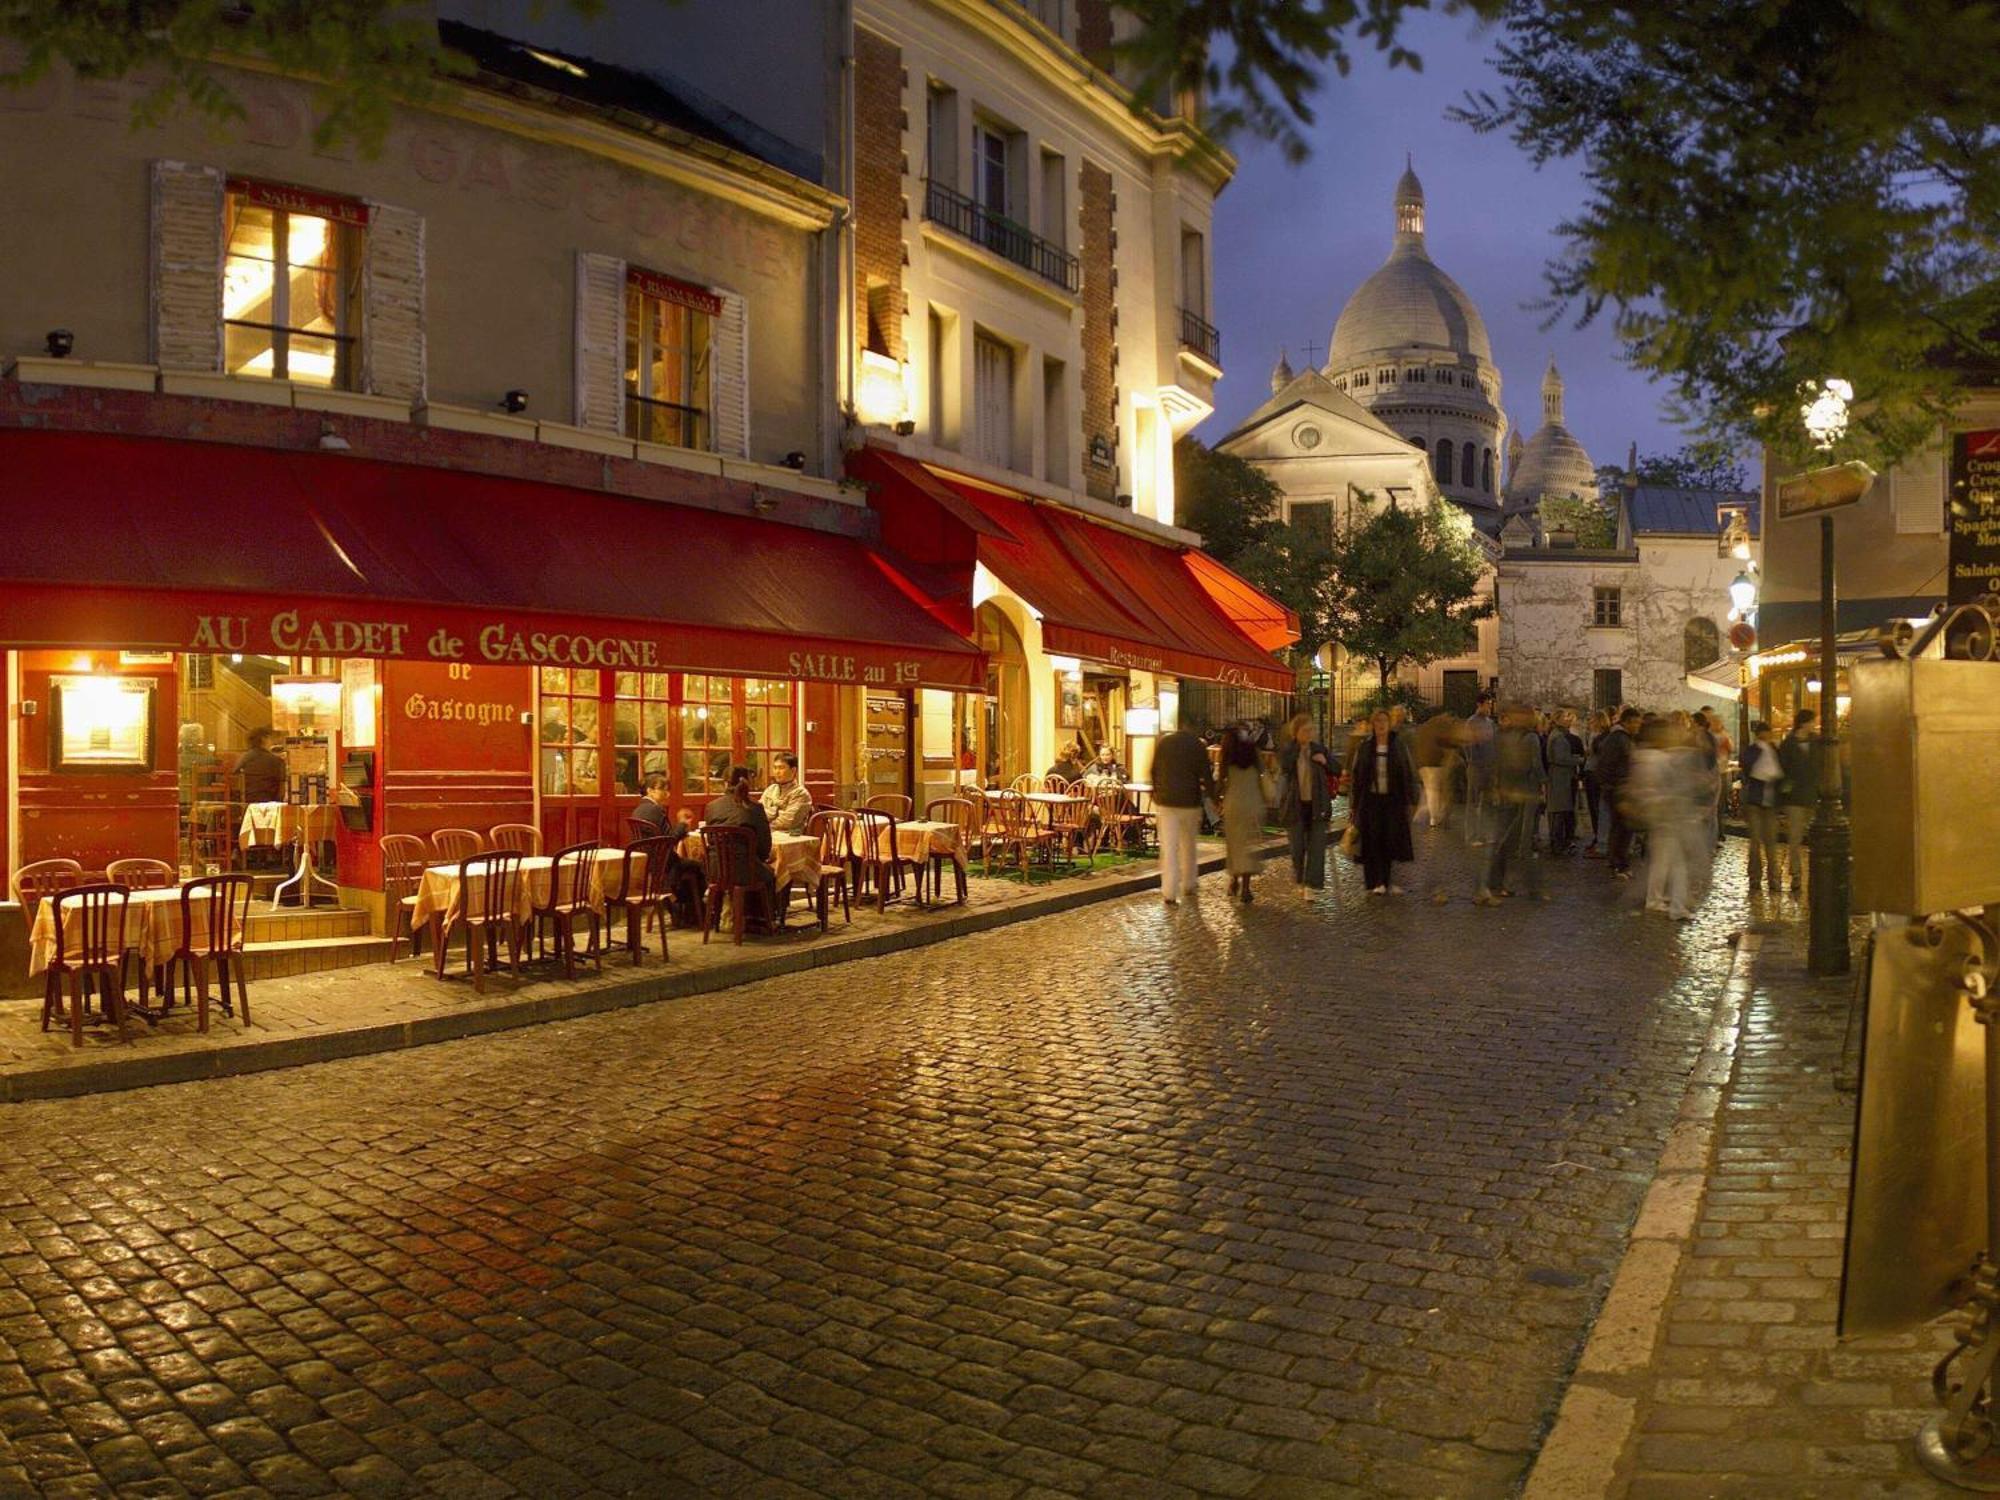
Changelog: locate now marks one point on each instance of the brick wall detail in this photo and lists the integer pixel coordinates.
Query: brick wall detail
(878, 193)
(1097, 211)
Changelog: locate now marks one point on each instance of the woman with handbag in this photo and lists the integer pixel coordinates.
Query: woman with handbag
(1382, 790)
(1242, 807)
(1305, 800)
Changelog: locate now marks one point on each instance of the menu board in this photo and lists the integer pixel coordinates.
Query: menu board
(1973, 516)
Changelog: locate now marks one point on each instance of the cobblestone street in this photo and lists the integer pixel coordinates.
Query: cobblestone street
(1305, 1198)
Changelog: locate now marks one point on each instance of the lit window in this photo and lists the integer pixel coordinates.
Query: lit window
(291, 304)
(1607, 607)
(667, 337)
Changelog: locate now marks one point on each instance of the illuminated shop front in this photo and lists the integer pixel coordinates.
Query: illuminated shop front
(474, 667)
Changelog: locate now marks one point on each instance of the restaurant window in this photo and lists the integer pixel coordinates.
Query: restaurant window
(669, 328)
(291, 284)
(1607, 607)
(569, 739)
(640, 742)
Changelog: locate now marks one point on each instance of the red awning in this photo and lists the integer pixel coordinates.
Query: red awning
(152, 543)
(1107, 594)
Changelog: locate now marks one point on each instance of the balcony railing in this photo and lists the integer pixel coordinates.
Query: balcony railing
(1202, 336)
(975, 222)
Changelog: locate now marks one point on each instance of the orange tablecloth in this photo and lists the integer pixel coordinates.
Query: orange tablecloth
(152, 929)
(267, 823)
(441, 893)
(794, 857)
(919, 840)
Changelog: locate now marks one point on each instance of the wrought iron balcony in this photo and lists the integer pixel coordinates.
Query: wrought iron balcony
(1000, 234)
(1202, 336)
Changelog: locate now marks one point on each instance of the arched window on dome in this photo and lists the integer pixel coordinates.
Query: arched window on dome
(1465, 465)
(1465, 379)
(1442, 465)
(1340, 382)
(1415, 373)
(1701, 643)
(1360, 378)
(1486, 470)
(1386, 375)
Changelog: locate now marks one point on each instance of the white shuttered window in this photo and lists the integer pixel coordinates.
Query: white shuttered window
(993, 401)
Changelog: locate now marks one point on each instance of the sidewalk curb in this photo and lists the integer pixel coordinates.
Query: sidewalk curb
(259, 1054)
(1581, 1457)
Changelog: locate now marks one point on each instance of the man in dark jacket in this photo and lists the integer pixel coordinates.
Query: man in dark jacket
(1520, 782)
(1182, 778)
(1614, 769)
(1306, 778)
(262, 770)
(1799, 790)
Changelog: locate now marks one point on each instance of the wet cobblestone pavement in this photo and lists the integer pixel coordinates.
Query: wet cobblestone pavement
(1304, 1198)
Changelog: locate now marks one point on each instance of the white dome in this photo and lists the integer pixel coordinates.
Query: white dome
(1408, 303)
(1553, 461)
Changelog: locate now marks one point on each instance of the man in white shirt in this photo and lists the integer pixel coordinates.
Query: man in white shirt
(787, 804)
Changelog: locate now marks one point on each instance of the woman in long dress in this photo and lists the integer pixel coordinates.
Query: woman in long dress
(1242, 807)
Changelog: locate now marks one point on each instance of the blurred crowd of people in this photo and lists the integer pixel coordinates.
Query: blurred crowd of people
(1647, 786)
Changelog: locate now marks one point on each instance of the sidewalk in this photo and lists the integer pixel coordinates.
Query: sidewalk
(381, 1007)
(1740, 1389)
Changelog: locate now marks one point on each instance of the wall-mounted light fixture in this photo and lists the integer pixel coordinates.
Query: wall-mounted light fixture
(880, 396)
(515, 401)
(59, 342)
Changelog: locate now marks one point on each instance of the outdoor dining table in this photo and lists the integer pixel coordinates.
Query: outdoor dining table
(917, 840)
(441, 894)
(794, 857)
(152, 929)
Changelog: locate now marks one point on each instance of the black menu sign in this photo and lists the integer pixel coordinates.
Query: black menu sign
(1973, 516)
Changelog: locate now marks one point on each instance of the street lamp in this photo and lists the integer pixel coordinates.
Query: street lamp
(1824, 413)
(1743, 593)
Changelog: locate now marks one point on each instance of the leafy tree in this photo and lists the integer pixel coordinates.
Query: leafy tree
(1707, 465)
(1404, 586)
(1588, 517)
(367, 54)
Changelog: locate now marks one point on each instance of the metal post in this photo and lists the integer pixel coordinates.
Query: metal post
(1827, 945)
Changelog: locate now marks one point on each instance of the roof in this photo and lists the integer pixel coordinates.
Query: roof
(614, 90)
(1314, 389)
(1552, 462)
(1660, 510)
(1409, 303)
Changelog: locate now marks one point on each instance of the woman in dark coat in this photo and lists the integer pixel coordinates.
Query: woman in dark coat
(1382, 790)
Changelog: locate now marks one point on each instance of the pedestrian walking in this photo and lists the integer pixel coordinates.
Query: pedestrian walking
(1565, 760)
(1593, 789)
(1725, 756)
(1242, 807)
(1614, 768)
(1305, 801)
(1182, 781)
(1669, 793)
(1382, 787)
(1520, 782)
(1479, 735)
(1763, 770)
(1799, 789)
(1437, 759)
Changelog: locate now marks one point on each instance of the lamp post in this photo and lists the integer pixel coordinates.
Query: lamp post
(1825, 416)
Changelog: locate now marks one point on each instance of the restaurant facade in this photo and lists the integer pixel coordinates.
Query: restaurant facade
(499, 467)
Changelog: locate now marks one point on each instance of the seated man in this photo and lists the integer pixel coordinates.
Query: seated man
(737, 808)
(787, 804)
(652, 809)
(263, 772)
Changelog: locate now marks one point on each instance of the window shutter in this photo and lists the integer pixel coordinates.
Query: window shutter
(1916, 494)
(729, 367)
(600, 341)
(392, 304)
(187, 266)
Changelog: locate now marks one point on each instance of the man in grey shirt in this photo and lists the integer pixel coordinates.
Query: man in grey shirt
(1479, 759)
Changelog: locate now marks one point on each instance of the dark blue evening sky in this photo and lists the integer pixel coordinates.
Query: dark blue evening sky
(1292, 243)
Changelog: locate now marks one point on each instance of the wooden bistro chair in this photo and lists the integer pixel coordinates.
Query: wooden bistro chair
(42, 880)
(141, 874)
(730, 854)
(405, 857)
(875, 869)
(225, 901)
(454, 846)
(1072, 828)
(490, 882)
(834, 829)
(522, 838)
(1024, 835)
(569, 898)
(1115, 821)
(1027, 781)
(649, 891)
(964, 816)
(96, 914)
(895, 804)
